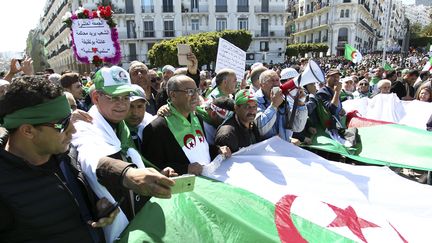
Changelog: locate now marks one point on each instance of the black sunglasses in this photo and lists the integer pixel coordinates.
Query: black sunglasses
(61, 125)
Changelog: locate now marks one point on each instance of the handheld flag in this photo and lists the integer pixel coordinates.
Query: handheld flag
(428, 65)
(352, 54)
(387, 67)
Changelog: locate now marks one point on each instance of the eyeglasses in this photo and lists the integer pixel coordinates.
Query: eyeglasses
(363, 84)
(190, 92)
(61, 125)
(117, 99)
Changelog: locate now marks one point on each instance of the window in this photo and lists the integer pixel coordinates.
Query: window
(346, 1)
(221, 6)
(148, 28)
(167, 6)
(195, 24)
(342, 13)
(150, 46)
(264, 46)
(243, 6)
(132, 52)
(194, 5)
(129, 7)
(347, 13)
(147, 6)
(221, 24)
(343, 34)
(130, 25)
(243, 24)
(168, 28)
(264, 27)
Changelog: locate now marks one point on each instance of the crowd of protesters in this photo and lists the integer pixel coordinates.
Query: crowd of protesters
(73, 144)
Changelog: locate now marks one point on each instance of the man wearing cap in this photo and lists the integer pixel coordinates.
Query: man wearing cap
(44, 196)
(226, 82)
(138, 72)
(240, 130)
(329, 96)
(404, 89)
(137, 117)
(178, 140)
(274, 111)
(167, 72)
(105, 149)
(288, 74)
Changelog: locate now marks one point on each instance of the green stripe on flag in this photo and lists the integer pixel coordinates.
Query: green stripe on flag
(312, 232)
(348, 52)
(391, 144)
(213, 212)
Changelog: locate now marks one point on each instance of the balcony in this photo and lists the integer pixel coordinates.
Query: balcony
(362, 22)
(270, 9)
(272, 33)
(200, 9)
(242, 8)
(147, 9)
(221, 8)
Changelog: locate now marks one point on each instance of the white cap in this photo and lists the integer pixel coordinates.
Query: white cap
(168, 68)
(255, 65)
(288, 73)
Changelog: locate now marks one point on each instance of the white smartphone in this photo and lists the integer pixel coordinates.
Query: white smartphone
(182, 51)
(183, 183)
(275, 90)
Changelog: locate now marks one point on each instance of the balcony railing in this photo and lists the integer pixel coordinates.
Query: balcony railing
(271, 33)
(269, 9)
(168, 8)
(149, 33)
(169, 33)
(242, 8)
(221, 8)
(147, 9)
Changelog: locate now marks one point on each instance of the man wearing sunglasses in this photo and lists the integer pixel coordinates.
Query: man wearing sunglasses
(44, 196)
(108, 155)
(178, 140)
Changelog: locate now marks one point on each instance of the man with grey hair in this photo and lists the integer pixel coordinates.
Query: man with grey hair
(178, 140)
(138, 72)
(275, 108)
(226, 82)
(254, 78)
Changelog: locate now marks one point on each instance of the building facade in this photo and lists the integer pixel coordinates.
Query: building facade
(338, 22)
(142, 23)
(420, 14)
(423, 2)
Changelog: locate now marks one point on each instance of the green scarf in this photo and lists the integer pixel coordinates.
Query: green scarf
(52, 110)
(182, 129)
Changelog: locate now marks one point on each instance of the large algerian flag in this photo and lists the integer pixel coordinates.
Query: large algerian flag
(392, 132)
(276, 192)
(352, 54)
(428, 66)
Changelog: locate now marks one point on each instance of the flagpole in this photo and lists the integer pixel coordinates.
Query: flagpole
(386, 33)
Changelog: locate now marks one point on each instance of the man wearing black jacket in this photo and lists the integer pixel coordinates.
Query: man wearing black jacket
(43, 195)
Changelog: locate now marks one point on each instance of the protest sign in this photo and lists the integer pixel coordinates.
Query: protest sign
(230, 56)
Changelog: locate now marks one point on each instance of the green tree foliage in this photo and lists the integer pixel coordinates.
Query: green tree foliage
(302, 48)
(415, 30)
(427, 30)
(204, 46)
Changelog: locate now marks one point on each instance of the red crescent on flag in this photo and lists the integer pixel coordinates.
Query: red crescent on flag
(354, 54)
(200, 135)
(288, 233)
(186, 139)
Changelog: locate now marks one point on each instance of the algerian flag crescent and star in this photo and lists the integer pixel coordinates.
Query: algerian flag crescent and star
(352, 54)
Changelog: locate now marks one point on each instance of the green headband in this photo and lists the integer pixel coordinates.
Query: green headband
(51, 110)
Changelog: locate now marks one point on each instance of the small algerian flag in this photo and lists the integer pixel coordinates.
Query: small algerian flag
(352, 54)
(428, 66)
(387, 67)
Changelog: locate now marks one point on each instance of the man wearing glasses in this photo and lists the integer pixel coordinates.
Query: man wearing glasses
(178, 140)
(107, 154)
(362, 89)
(44, 196)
